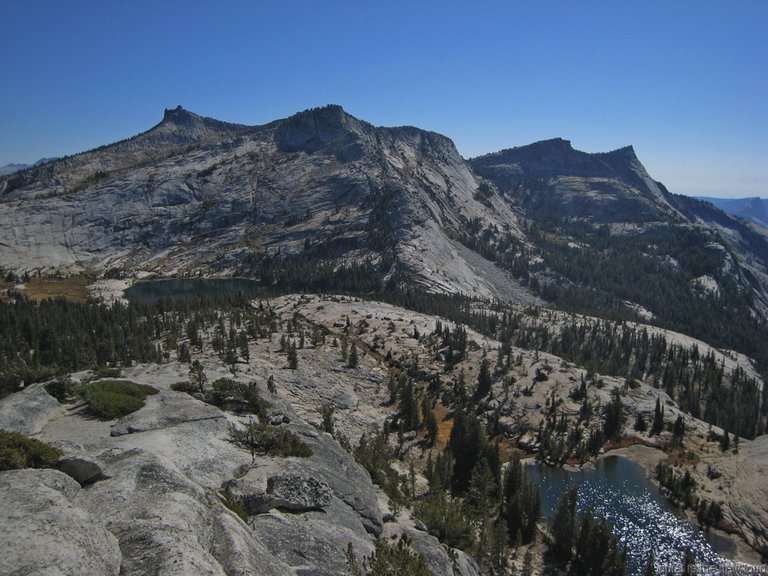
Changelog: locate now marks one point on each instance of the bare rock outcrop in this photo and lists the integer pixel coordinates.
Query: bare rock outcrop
(44, 531)
(29, 410)
(741, 486)
(167, 524)
(144, 496)
(165, 411)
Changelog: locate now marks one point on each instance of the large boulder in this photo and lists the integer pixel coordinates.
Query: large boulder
(44, 531)
(289, 492)
(29, 410)
(297, 493)
(83, 469)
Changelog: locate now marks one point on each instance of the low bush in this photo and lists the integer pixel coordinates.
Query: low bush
(18, 451)
(110, 399)
(228, 394)
(107, 372)
(262, 438)
(235, 505)
(60, 388)
(185, 386)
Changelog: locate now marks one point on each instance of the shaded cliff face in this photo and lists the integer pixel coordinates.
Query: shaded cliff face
(607, 230)
(196, 195)
(552, 178)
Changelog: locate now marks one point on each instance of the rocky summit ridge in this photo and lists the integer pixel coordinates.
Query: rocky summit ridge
(323, 190)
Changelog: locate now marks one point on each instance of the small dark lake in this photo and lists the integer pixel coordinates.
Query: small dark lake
(189, 289)
(642, 519)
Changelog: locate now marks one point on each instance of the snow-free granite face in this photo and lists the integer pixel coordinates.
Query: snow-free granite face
(45, 531)
(196, 194)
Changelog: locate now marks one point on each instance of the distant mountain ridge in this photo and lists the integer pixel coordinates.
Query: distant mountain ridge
(610, 186)
(325, 201)
(755, 209)
(11, 168)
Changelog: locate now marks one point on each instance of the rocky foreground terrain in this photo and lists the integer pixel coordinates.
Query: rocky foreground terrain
(153, 492)
(144, 494)
(593, 296)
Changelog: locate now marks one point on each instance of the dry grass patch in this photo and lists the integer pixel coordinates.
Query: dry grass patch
(73, 289)
(444, 424)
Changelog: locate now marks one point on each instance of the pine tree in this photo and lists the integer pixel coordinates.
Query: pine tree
(197, 376)
(409, 408)
(483, 380)
(725, 440)
(467, 443)
(480, 490)
(527, 563)
(327, 422)
(658, 419)
(498, 548)
(352, 360)
(679, 428)
(293, 357)
(613, 415)
(563, 527)
(430, 421)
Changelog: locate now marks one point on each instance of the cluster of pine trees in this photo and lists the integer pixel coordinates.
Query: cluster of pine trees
(700, 383)
(56, 337)
(596, 273)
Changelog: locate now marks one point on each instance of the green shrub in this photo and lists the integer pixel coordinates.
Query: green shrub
(235, 505)
(221, 390)
(185, 386)
(124, 387)
(60, 388)
(107, 372)
(109, 405)
(391, 558)
(110, 399)
(262, 438)
(18, 451)
(228, 394)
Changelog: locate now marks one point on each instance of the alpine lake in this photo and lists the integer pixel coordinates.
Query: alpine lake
(642, 519)
(149, 291)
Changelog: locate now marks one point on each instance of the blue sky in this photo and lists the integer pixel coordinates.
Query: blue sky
(685, 82)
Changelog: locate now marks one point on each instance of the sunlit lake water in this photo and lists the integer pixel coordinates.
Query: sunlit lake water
(642, 519)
